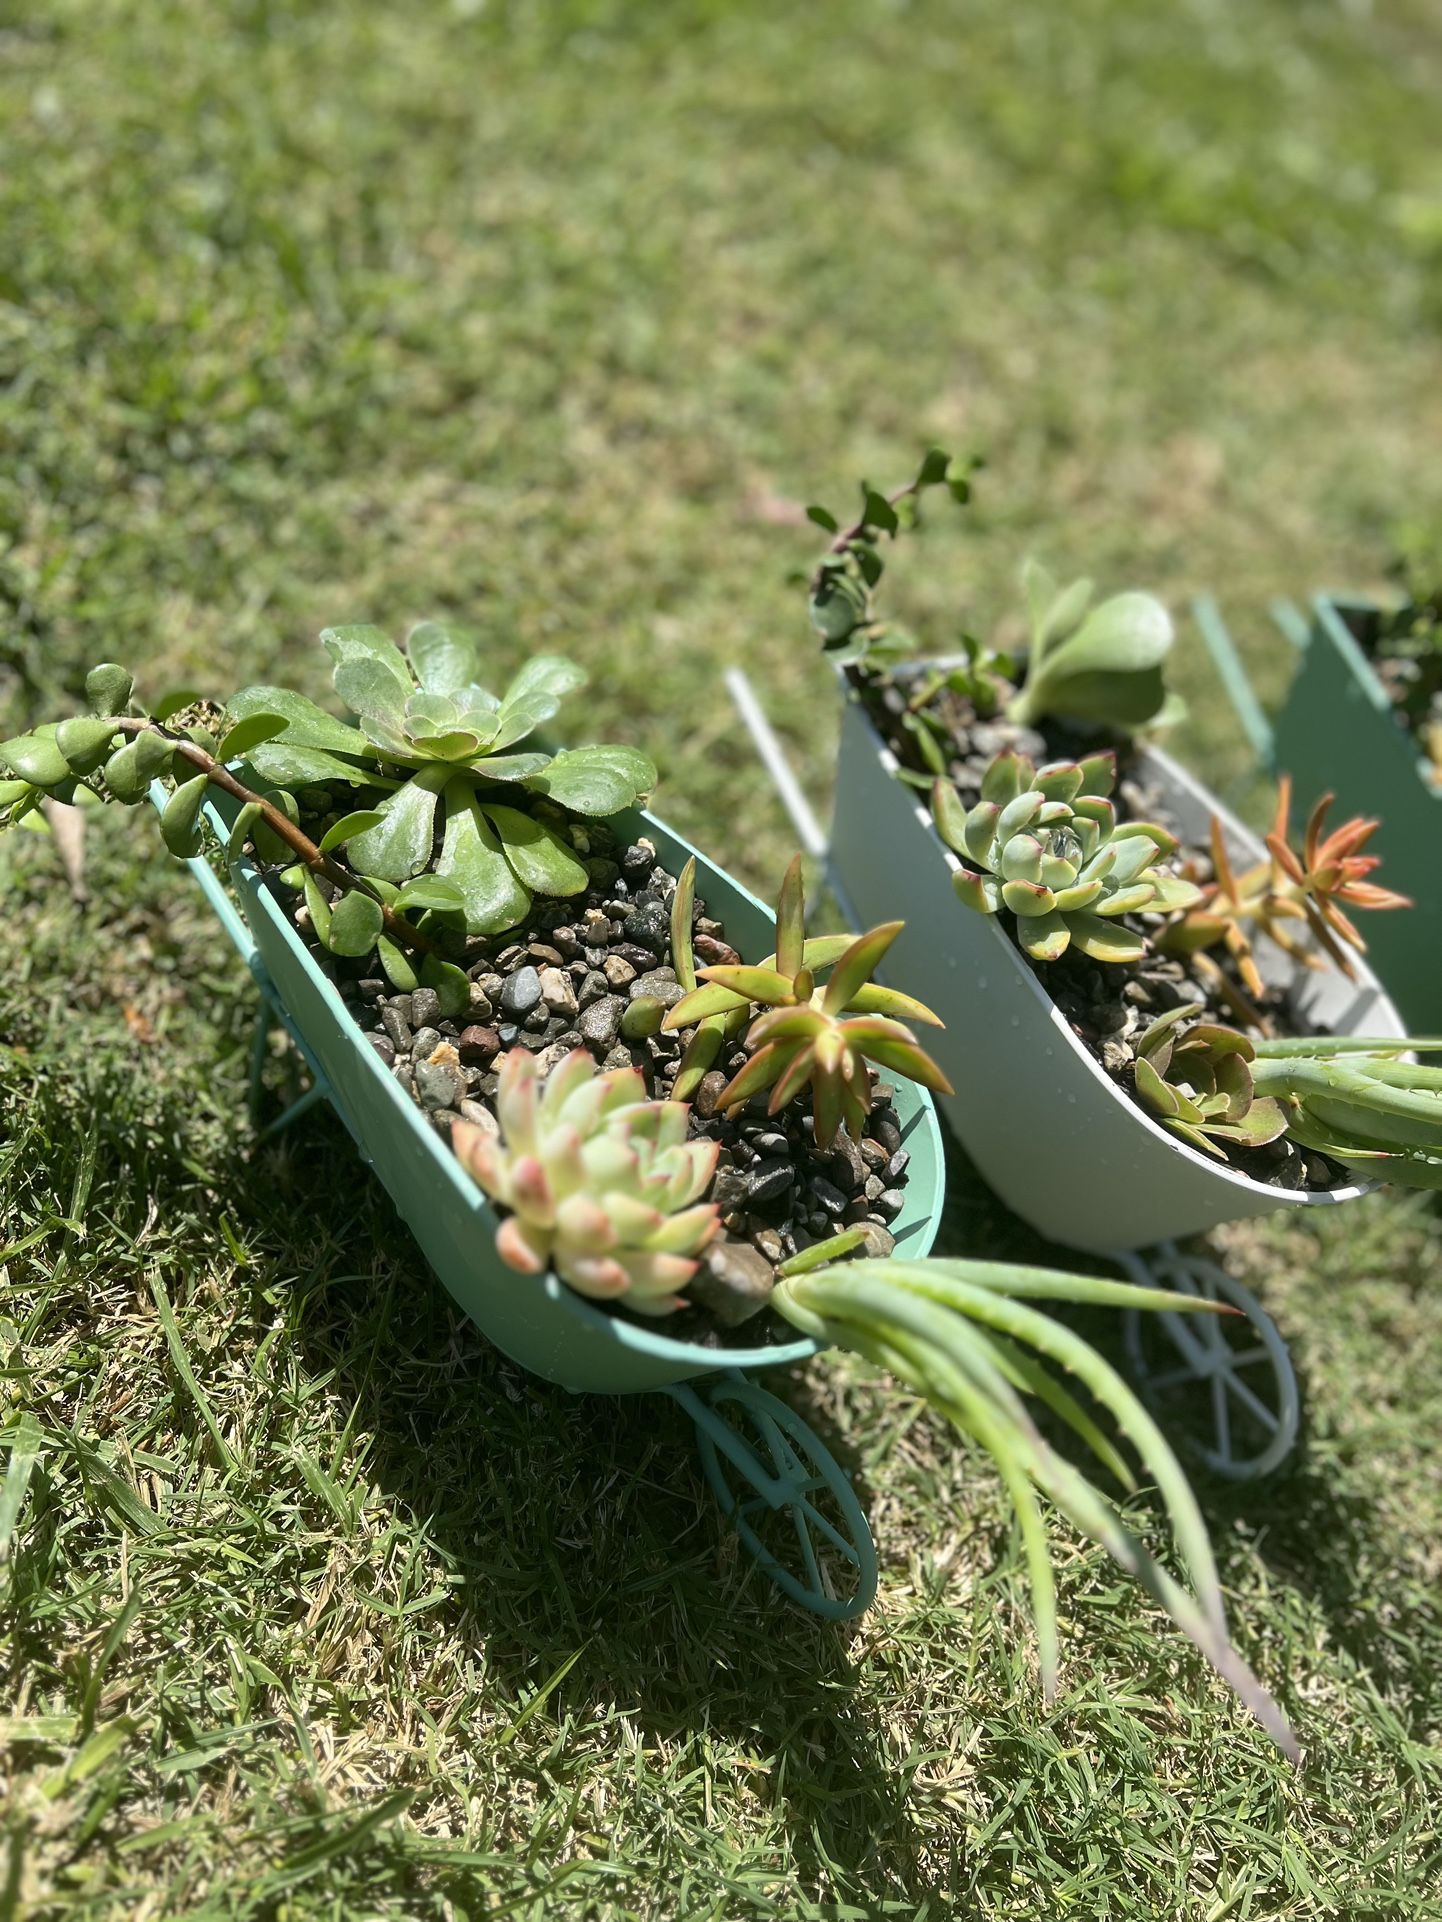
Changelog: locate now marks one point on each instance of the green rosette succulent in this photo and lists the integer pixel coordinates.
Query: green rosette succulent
(443, 751)
(1046, 844)
(602, 1184)
(1200, 1084)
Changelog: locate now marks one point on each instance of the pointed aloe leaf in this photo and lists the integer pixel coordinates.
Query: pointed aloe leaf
(759, 1072)
(787, 1024)
(401, 843)
(683, 902)
(535, 694)
(443, 661)
(473, 861)
(874, 999)
(703, 1004)
(790, 921)
(541, 859)
(697, 1062)
(858, 964)
(1025, 1372)
(369, 689)
(596, 781)
(359, 643)
(894, 1047)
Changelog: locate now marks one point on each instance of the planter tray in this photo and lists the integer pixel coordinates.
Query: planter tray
(539, 1323)
(1062, 1144)
(1336, 733)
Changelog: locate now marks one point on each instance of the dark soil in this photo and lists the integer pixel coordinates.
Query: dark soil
(1107, 1007)
(564, 980)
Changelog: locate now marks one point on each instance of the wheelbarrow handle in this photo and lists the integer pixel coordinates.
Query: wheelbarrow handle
(1234, 678)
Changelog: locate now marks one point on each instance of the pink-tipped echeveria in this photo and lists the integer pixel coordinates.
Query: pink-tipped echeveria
(1046, 843)
(601, 1183)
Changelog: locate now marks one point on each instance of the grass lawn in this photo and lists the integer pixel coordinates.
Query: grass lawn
(548, 316)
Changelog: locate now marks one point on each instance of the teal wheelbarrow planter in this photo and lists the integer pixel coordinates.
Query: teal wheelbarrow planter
(1335, 732)
(763, 1463)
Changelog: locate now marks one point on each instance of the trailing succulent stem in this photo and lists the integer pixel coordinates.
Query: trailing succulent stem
(1100, 664)
(1046, 844)
(119, 755)
(813, 1035)
(964, 1335)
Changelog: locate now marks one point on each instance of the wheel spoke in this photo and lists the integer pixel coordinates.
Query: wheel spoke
(1258, 1407)
(1222, 1418)
(803, 1536)
(837, 1540)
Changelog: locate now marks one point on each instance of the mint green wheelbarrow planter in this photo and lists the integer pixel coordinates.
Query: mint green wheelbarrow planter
(1336, 733)
(762, 1462)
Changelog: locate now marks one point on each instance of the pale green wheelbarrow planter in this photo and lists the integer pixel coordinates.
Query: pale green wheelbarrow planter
(1336, 733)
(1056, 1138)
(745, 1436)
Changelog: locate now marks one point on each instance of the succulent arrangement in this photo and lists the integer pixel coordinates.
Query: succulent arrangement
(810, 1035)
(1199, 1083)
(601, 1182)
(1047, 844)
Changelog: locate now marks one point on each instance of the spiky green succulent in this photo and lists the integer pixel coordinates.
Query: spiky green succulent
(815, 1035)
(1199, 1083)
(441, 748)
(602, 1184)
(1355, 1098)
(1046, 843)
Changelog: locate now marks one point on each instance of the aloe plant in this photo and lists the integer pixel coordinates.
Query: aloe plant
(1355, 1098)
(1046, 844)
(964, 1335)
(443, 749)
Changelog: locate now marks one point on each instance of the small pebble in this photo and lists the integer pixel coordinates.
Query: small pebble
(709, 1093)
(475, 1112)
(425, 1008)
(397, 1028)
(659, 985)
(423, 1041)
(618, 972)
(595, 987)
(831, 1199)
(478, 1045)
(890, 1204)
(600, 1021)
(734, 1282)
(650, 928)
(384, 1047)
(768, 1181)
(522, 993)
(558, 991)
(437, 1085)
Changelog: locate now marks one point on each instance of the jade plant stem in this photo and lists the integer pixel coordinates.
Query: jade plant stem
(279, 823)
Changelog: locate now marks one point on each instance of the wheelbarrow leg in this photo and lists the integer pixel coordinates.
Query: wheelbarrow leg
(1247, 1383)
(770, 1473)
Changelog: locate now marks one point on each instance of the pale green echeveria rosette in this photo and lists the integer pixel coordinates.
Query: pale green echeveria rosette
(446, 749)
(1046, 843)
(601, 1183)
